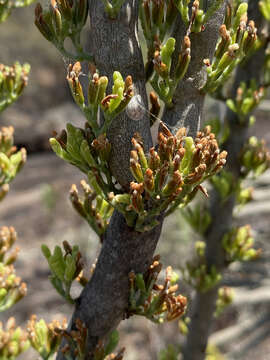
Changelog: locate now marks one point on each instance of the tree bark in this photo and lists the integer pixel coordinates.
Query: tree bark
(103, 302)
(115, 46)
(203, 306)
(188, 99)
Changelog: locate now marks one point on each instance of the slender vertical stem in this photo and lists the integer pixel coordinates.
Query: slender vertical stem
(188, 99)
(203, 305)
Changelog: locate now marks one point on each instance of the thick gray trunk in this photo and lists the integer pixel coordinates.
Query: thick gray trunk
(115, 46)
(103, 302)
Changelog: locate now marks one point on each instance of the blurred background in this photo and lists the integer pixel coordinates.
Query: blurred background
(38, 207)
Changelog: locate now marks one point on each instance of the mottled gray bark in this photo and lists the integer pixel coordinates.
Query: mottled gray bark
(188, 99)
(203, 305)
(103, 302)
(115, 46)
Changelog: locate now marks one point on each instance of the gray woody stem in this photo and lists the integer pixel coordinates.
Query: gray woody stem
(204, 304)
(115, 46)
(104, 300)
(188, 99)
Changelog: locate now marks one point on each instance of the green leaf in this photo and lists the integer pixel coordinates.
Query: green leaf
(113, 342)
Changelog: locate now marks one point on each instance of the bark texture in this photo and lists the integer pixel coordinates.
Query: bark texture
(188, 99)
(115, 46)
(104, 300)
(203, 306)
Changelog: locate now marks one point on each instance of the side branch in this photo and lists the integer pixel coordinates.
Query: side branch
(189, 100)
(204, 304)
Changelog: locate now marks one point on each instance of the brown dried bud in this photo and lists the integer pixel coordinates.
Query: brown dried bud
(154, 160)
(134, 155)
(173, 184)
(137, 187)
(164, 130)
(163, 175)
(181, 133)
(107, 99)
(136, 170)
(149, 183)
(137, 201)
(155, 107)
